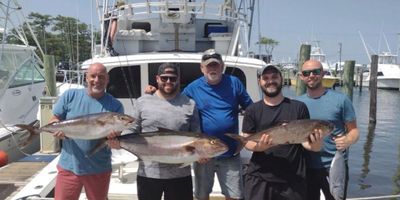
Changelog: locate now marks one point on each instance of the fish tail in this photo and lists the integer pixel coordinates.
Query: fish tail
(242, 141)
(33, 133)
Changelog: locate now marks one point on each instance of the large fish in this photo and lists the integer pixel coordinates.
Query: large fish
(292, 132)
(337, 176)
(174, 147)
(87, 127)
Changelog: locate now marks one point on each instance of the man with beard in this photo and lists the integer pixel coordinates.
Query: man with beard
(166, 108)
(276, 172)
(326, 104)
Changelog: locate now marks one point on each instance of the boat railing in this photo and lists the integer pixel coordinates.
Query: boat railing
(178, 9)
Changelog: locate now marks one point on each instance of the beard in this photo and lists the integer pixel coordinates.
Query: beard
(168, 90)
(213, 77)
(274, 93)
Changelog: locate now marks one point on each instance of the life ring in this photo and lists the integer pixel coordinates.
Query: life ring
(3, 158)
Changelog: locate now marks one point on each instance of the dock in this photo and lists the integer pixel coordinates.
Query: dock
(14, 176)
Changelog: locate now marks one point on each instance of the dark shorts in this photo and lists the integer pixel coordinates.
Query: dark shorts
(173, 189)
(257, 188)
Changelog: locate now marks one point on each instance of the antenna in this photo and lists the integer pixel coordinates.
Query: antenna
(365, 46)
(387, 44)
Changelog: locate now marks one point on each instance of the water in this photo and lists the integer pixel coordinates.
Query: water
(374, 160)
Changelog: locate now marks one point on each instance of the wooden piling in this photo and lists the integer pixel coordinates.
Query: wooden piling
(361, 79)
(348, 78)
(373, 88)
(305, 51)
(50, 75)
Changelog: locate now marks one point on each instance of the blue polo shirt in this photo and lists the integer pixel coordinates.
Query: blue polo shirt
(218, 107)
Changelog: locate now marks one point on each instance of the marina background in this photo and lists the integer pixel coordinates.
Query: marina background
(291, 23)
(374, 160)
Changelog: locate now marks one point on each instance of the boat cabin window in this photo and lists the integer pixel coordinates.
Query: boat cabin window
(236, 72)
(124, 82)
(26, 75)
(142, 25)
(189, 72)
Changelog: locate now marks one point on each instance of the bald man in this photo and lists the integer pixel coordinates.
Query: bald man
(333, 106)
(75, 169)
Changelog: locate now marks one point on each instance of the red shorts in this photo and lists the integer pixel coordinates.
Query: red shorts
(69, 185)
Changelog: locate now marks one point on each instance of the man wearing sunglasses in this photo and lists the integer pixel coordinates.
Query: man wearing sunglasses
(218, 97)
(276, 172)
(166, 108)
(333, 106)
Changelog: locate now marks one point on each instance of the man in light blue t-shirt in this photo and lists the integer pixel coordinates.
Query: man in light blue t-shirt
(75, 169)
(327, 104)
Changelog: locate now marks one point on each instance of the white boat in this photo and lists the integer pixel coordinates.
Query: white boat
(329, 80)
(388, 76)
(21, 86)
(150, 33)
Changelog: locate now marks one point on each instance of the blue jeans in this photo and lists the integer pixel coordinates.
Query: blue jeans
(229, 173)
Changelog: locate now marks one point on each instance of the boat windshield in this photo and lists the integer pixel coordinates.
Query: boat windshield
(13, 58)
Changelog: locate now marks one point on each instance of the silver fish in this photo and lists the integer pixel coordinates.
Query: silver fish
(293, 132)
(174, 147)
(87, 127)
(337, 176)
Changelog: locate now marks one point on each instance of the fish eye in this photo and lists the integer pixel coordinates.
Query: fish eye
(212, 142)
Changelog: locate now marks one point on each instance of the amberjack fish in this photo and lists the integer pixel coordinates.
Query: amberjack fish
(87, 127)
(337, 176)
(292, 132)
(174, 147)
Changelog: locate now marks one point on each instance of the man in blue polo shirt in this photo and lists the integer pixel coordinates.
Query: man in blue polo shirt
(218, 97)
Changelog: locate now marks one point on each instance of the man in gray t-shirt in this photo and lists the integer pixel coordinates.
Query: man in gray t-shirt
(166, 108)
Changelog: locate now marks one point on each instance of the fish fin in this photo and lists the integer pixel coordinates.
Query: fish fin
(184, 165)
(282, 123)
(161, 129)
(102, 143)
(242, 141)
(190, 149)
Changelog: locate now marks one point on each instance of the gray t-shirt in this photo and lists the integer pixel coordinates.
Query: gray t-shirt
(178, 114)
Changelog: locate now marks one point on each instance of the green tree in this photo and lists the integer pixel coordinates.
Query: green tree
(40, 23)
(269, 45)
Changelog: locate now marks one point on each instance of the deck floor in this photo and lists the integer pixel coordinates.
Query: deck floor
(16, 175)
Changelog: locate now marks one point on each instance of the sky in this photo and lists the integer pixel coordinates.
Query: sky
(291, 23)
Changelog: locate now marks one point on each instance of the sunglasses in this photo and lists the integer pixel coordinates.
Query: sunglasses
(314, 71)
(170, 78)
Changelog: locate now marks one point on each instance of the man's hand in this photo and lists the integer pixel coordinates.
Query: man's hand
(315, 140)
(113, 134)
(112, 140)
(114, 143)
(203, 160)
(59, 135)
(342, 142)
(263, 144)
(149, 89)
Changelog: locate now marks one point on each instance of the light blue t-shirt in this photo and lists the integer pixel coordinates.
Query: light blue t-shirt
(75, 103)
(218, 107)
(335, 107)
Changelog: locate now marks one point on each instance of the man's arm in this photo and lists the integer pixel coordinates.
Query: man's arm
(345, 140)
(262, 145)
